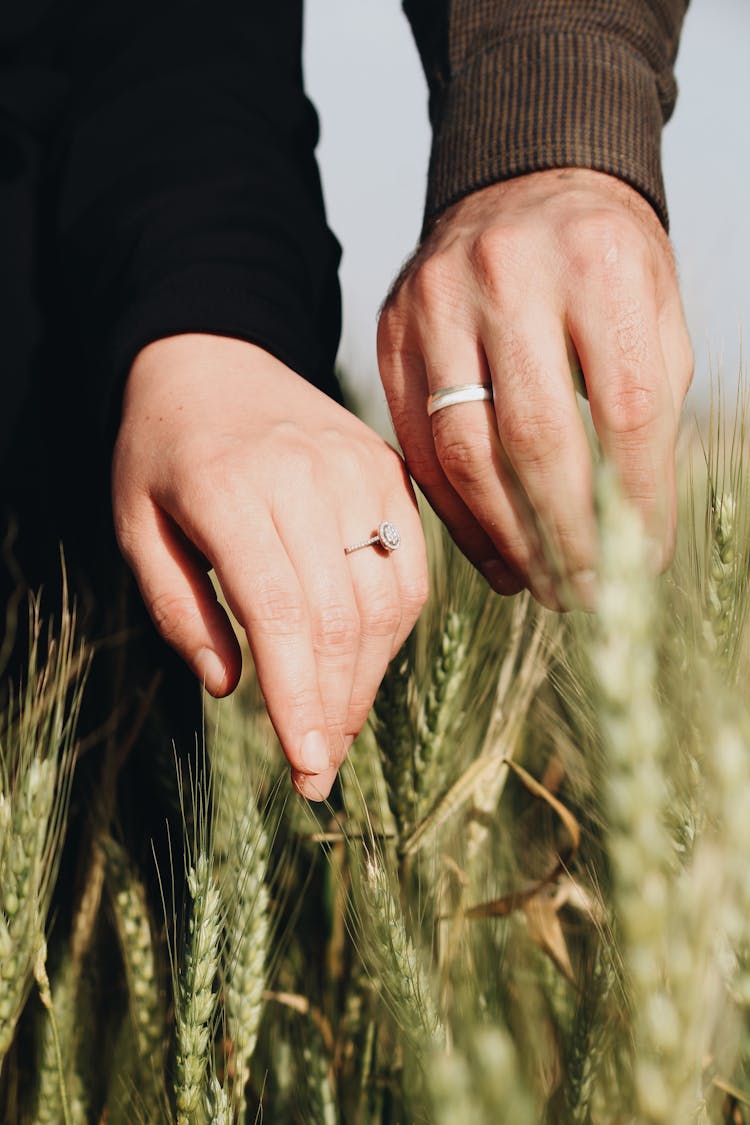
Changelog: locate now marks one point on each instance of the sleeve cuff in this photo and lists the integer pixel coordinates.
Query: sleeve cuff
(218, 300)
(222, 300)
(554, 100)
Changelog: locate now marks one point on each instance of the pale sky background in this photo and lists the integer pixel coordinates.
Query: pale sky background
(364, 76)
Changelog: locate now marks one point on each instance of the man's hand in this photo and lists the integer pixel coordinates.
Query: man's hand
(515, 284)
(227, 459)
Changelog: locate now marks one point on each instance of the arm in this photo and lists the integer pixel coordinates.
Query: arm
(187, 191)
(543, 244)
(198, 264)
(519, 86)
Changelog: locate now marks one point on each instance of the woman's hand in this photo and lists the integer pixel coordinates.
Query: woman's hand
(513, 285)
(227, 459)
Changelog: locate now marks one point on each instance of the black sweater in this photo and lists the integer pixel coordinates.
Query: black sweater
(157, 168)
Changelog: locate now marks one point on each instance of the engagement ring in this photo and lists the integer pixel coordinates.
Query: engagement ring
(387, 536)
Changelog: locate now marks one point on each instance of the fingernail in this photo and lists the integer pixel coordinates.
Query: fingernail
(500, 578)
(314, 788)
(210, 668)
(585, 588)
(314, 754)
(544, 591)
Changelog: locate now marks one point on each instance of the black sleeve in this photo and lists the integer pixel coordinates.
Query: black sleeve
(186, 195)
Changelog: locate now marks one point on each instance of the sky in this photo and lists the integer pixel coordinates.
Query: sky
(363, 74)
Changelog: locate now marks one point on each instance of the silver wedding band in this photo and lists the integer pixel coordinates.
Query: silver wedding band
(387, 536)
(462, 392)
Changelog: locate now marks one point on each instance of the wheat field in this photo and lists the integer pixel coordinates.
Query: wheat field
(528, 900)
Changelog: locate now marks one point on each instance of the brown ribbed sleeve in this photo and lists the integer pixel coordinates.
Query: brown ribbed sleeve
(518, 86)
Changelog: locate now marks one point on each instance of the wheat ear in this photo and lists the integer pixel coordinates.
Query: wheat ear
(197, 998)
(395, 961)
(439, 713)
(396, 738)
(321, 1098)
(247, 941)
(36, 765)
(23, 915)
(623, 665)
(241, 854)
(145, 997)
(721, 576)
(481, 1083)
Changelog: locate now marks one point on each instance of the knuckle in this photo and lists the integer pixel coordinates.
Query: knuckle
(300, 702)
(466, 457)
(495, 256)
(174, 615)
(275, 610)
(533, 438)
(434, 280)
(630, 408)
(360, 706)
(336, 630)
(206, 480)
(382, 616)
(414, 594)
(598, 240)
(301, 462)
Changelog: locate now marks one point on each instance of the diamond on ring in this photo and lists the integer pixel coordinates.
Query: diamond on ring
(387, 536)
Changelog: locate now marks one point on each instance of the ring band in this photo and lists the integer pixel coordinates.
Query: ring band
(387, 536)
(463, 392)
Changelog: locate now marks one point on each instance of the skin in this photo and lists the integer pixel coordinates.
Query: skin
(227, 459)
(512, 284)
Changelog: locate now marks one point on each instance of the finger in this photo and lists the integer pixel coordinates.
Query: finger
(677, 351)
(471, 455)
(315, 787)
(390, 591)
(404, 377)
(542, 433)
(676, 348)
(326, 581)
(180, 598)
(410, 563)
(615, 331)
(265, 595)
